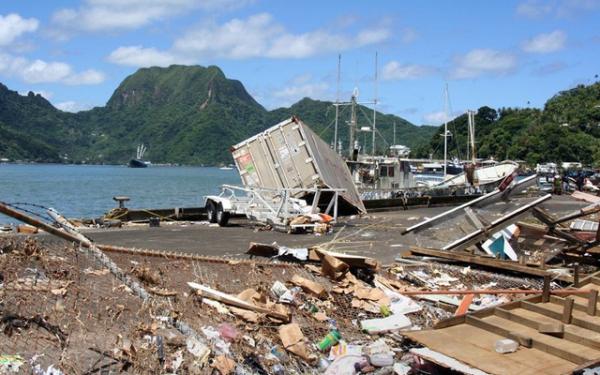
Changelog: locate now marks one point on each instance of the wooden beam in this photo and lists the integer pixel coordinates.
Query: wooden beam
(525, 340)
(493, 328)
(576, 305)
(583, 323)
(592, 302)
(485, 261)
(567, 310)
(546, 289)
(531, 323)
(455, 320)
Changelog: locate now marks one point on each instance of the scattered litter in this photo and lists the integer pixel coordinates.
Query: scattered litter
(391, 323)
(10, 363)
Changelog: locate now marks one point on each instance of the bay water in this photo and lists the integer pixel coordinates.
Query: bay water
(86, 191)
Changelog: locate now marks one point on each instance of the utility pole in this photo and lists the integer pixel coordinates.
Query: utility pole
(471, 118)
(445, 130)
(394, 132)
(337, 104)
(352, 123)
(374, 109)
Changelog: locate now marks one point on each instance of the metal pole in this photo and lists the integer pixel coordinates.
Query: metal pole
(352, 126)
(374, 110)
(446, 130)
(469, 134)
(337, 105)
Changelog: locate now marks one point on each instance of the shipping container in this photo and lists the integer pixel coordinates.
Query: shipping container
(290, 155)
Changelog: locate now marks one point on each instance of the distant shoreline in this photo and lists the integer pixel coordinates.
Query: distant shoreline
(111, 165)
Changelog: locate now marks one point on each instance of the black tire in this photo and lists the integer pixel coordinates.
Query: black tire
(211, 212)
(222, 216)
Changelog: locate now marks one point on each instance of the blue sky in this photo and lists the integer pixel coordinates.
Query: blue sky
(496, 53)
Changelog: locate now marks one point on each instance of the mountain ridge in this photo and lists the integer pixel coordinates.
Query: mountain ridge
(184, 114)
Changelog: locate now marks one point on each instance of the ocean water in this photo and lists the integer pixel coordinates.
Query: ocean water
(86, 190)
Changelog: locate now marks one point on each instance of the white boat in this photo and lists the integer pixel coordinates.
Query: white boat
(226, 168)
(483, 175)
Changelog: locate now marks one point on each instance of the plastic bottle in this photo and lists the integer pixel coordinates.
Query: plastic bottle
(278, 369)
(328, 341)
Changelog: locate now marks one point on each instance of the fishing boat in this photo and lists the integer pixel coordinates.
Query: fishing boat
(138, 162)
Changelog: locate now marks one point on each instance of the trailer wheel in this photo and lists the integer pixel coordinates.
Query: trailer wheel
(222, 216)
(211, 211)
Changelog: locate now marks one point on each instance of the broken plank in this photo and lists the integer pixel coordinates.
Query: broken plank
(485, 261)
(219, 296)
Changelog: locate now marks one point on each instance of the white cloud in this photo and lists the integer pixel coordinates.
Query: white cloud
(483, 61)
(143, 57)
(40, 71)
(397, 71)
(115, 15)
(295, 93)
(13, 25)
(409, 35)
(72, 106)
(87, 77)
(295, 89)
(261, 36)
(545, 43)
(437, 118)
(561, 9)
(534, 9)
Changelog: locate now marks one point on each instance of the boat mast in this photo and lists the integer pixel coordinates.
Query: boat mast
(337, 106)
(352, 123)
(471, 118)
(445, 130)
(374, 111)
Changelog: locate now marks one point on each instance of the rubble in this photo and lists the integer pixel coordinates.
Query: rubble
(300, 310)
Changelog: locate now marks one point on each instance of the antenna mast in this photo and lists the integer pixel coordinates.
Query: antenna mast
(374, 109)
(352, 123)
(446, 130)
(337, 104)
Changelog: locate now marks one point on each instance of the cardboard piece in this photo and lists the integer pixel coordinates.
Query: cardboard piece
(309, 286)
(333, 267)
(293, 341)
(225, 365)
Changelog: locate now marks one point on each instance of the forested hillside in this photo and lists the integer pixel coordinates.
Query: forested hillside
(567, 129)
(193, 114)
(183, 114)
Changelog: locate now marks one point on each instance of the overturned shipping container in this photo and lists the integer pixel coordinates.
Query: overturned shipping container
(290, 155)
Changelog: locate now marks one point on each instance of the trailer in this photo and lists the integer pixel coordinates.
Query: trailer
(276, 207)
(287, 172)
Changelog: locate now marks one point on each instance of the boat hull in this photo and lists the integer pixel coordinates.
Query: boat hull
(136, 163)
